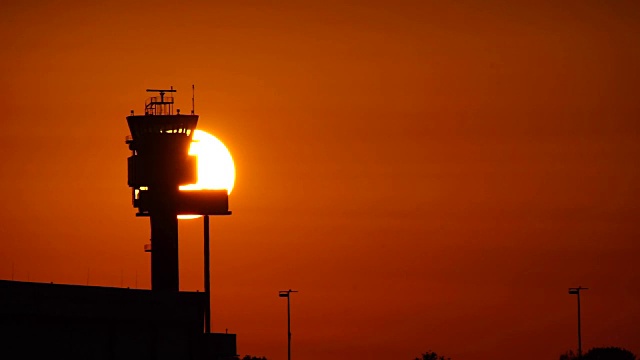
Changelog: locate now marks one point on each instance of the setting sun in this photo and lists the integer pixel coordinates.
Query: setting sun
(216, 170)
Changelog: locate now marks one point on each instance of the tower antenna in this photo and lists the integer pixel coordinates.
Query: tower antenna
(193, 99)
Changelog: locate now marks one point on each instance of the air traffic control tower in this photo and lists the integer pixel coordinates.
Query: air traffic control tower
(159, 164)
(42, 320)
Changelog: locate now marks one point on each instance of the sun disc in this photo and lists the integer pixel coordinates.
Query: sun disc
(216, 170)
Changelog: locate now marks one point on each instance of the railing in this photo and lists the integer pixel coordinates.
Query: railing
(157, 105)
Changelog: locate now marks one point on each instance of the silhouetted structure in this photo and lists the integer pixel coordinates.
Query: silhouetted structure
(47, 321)
(159, 164)
(576, 291)
(287, 294)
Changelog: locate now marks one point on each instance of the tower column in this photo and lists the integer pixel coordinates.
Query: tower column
(164, 243)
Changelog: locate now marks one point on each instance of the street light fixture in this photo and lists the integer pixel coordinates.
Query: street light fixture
(576, 291)
(287, 294)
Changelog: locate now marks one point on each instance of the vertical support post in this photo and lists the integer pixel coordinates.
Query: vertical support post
(288, 327)
(287, 294)
(579, 333)
(576, 291)
(207, 280)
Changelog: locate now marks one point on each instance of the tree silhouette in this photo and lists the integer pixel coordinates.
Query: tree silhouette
(247, 357)
(569, 355)
(603, 353)
(609, 353)
(431, 355)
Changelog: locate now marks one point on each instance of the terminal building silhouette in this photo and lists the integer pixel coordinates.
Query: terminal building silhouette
(52, 321)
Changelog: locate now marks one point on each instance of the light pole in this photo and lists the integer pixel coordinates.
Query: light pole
(576, 291)
(207, 280)
(287, 294)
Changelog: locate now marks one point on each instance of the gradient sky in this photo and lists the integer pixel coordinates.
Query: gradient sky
(429, 175)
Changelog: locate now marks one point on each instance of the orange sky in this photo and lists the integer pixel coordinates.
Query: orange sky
(428, 176)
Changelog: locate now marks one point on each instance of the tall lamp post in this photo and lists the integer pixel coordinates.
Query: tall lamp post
(576, 291)
(207, 280)
(287, 294)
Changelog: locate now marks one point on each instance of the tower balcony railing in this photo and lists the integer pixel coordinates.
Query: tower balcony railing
(159, 105)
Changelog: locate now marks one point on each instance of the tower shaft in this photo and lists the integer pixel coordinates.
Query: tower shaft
(164, 241)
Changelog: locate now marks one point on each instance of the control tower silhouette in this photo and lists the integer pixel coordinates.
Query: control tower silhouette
(159, 164)
(43, 321)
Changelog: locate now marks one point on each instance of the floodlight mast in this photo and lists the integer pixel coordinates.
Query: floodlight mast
(287, 294)
(576, 291)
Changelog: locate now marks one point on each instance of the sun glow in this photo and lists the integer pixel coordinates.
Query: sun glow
(216, 170)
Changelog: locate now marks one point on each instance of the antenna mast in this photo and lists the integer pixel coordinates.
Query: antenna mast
(193, 99)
